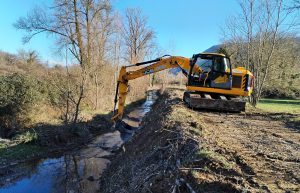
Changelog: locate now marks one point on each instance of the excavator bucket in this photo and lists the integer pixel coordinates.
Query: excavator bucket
(214, 102)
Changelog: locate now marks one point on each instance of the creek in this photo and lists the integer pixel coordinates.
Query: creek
(77, 171)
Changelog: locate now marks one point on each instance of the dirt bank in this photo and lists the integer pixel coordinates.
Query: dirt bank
(181, 150)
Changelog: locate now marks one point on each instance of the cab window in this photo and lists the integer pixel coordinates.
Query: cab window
(204, 64)
(220, 64)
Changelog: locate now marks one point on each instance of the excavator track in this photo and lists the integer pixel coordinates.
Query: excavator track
(213, 102)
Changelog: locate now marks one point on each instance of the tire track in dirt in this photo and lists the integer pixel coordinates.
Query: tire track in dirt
(264, 147)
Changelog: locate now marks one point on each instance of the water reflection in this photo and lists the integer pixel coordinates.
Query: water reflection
(79, 174)
(75, 172)
(69, 173)
(135, 117)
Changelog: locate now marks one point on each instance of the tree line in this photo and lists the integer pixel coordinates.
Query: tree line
(95, 40)
(263, 38)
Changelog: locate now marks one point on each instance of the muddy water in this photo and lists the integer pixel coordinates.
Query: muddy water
(77, 171)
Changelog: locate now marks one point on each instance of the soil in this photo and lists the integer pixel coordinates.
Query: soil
(179, 149)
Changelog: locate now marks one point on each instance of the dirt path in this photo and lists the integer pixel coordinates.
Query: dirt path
(262, 146)
(182, 150)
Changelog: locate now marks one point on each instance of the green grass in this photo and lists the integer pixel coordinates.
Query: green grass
(19, 151)
(279, 106)
(2, 145)
(21, 147)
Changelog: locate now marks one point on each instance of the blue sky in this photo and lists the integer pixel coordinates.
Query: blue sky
(183, 27)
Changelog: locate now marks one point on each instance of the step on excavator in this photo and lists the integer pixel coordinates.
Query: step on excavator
(212, 83)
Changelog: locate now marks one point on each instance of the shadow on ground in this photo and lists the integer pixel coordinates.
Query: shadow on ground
(55, 139)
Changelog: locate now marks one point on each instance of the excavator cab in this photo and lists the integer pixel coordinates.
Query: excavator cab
(216, 71)
(217, 86)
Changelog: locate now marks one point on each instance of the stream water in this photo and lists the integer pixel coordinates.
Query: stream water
(77, 171)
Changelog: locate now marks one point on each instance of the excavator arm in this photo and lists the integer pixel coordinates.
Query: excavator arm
(212, 83)
(156, 65)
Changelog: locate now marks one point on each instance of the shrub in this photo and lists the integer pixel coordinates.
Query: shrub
(276, 92)
(18, 93)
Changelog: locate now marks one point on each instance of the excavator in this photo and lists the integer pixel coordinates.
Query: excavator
(212, 82)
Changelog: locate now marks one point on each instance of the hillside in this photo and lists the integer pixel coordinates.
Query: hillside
(20, 63)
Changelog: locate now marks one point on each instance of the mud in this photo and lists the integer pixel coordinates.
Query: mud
(183, 150)
(76, 171)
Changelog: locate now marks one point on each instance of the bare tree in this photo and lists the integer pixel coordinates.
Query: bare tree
(295, 4)
(255, 37)
(137, 35)
(137, 40)
(73, 23)
(104, 29)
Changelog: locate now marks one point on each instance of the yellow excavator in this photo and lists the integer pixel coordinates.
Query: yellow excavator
(212, 83)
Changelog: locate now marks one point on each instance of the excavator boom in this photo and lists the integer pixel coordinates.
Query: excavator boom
(212, 83)
(157, 65)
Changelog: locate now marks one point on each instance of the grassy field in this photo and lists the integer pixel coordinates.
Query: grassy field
(279, 106)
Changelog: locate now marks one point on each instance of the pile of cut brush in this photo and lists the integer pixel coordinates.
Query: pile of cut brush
(167, 153)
